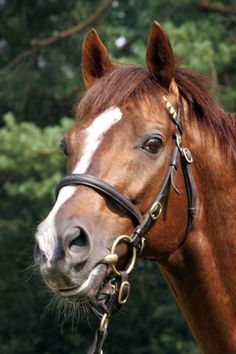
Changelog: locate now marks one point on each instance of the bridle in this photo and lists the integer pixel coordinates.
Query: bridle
(116, 291)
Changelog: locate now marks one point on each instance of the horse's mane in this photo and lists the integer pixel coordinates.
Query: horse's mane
(195, 89)
(127, 81)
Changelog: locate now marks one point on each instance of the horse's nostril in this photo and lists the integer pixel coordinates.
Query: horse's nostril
(79, 246)
(81, 240)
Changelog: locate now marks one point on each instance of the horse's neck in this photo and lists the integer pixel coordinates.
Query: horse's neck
(202, 273)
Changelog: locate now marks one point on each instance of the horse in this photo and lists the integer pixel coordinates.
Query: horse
(151, 173)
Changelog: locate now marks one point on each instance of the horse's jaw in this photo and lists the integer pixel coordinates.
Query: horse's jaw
(89, 288)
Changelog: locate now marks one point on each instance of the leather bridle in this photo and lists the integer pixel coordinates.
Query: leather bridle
(116, 291)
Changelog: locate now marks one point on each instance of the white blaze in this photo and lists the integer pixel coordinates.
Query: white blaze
(46, 234)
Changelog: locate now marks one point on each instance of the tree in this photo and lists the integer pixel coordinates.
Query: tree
(50, 77)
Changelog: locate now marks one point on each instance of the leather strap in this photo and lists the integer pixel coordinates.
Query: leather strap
(145, 222)
(108, 302)
(97, 345)
(191, 192)
(103, 187)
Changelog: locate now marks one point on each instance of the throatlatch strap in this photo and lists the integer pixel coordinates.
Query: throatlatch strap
(191, 192)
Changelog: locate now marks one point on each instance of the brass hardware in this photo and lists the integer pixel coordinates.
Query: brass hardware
(184, 150)
(111, 258)
(187, 154)
(104, 323)
(179, 141)
(140, 250)
(124, 292)
(132, 262)
(155, 210)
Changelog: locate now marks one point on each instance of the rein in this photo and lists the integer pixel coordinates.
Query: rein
(116, 291)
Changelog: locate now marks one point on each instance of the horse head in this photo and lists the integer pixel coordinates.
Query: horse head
(123, 172)
(130, 190)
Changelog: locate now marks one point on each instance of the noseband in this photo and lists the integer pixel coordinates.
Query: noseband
(117, 290)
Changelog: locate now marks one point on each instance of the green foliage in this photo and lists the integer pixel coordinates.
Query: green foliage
(37, 145)
(29, 164)
(51, 80)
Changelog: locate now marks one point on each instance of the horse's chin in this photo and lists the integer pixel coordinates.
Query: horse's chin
(89, 289)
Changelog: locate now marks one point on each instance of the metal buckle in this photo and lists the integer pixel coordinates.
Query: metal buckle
(184, 150)
(104, 323)
(179, 141)
(155, 210)
(187, 154)
(124, 292)
(141, 246)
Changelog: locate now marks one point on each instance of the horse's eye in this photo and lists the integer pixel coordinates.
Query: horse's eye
(152, 145)
(64, 147)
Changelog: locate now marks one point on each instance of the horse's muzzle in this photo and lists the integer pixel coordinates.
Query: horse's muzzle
(62, 258)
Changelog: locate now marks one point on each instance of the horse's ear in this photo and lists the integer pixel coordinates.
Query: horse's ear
(95, 58)
(160, 57)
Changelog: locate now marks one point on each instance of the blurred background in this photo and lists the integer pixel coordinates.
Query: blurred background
(40, 79)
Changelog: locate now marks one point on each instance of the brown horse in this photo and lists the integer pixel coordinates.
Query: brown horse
(131, 173)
